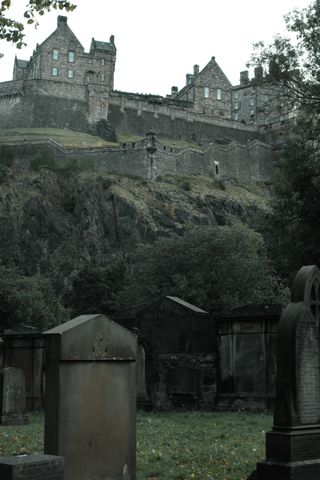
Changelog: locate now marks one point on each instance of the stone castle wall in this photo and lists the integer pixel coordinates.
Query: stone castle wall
(250, 163)
(76, 105)
(138, 118)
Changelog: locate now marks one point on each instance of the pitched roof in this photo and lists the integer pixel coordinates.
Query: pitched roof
(186, 304)
(63, 26)
(214, 65)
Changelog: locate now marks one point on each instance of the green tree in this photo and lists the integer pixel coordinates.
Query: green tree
(293, 62)
(216, 268)
(28, 301)
(294, 232)
(13, 30)
(95, 289)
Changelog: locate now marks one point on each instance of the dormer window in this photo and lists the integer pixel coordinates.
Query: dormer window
(71, 56)
(206, 92)
(219, 94)
(55, 54)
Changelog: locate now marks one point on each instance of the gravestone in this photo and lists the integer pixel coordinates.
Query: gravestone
(12, 397)
(90, 406)
(293, 445)
(32, 467)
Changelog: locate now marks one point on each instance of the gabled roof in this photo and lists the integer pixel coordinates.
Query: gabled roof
(210, 65)
(62, 25)
(186, 304)
(214, 66)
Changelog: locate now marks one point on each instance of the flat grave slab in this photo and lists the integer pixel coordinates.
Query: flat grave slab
(32, 467)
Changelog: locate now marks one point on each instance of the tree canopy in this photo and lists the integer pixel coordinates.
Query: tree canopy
(12, 30)
(216, 268)
(294, 227)
(293, 61)
(28, 301)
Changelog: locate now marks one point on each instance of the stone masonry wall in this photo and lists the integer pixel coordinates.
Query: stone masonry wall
(158, 368)
(172, 123)
(246, 163)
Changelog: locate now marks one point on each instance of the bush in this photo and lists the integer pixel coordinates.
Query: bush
(29, 300)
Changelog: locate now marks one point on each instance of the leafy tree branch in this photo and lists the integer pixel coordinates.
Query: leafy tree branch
(12, 30)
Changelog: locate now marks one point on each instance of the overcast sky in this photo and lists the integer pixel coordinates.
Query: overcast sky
(159, 41)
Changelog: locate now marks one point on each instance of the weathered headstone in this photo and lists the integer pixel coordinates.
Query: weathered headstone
(12, 397)
(293, 446)
(90, 407)
(32, 467)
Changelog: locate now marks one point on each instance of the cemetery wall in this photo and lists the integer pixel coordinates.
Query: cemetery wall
(247, 357)
(182, 380)
(26, 351)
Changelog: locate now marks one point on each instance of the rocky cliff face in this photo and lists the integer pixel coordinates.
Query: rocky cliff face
(56, 223)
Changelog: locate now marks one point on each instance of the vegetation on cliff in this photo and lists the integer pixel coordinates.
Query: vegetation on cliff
(217, 267)
(85, 231)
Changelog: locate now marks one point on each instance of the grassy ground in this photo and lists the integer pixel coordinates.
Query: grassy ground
(70, 138)
(67, 138)
(175, 446)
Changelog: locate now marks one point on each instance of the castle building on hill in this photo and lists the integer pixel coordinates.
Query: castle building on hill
(63, 86)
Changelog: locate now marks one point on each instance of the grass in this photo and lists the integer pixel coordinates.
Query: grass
(71, 138)
(175, 446)
(67, 138)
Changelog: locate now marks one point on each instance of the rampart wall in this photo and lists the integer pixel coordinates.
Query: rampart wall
(169, 121)
(250, 163)
(46, 103)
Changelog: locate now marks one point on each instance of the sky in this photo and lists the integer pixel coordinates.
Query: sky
(159, 41)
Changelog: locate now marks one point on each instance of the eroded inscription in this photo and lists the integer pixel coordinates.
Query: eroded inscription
(308, 373)
(33, 467)
(39, 471)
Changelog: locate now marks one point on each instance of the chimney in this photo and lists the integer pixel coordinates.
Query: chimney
(189, 78)
(112, 39)
(258, 74)
(174, 91)
(274, 70)
(244, 77)
(196, 70)
(62, 21)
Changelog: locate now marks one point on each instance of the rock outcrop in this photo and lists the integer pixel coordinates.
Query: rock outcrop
(56, 223)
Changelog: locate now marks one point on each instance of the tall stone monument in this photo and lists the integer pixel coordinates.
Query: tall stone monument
(90, 407)
(12, 397)
(293, 445)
